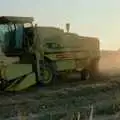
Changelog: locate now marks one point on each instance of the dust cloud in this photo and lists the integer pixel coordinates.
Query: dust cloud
(110, 62)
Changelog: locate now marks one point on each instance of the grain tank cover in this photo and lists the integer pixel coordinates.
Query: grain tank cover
(47, 32)
(13, 19)
(50, 33)
(73, 40)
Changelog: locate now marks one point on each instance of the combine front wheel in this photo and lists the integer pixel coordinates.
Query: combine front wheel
(48, 74)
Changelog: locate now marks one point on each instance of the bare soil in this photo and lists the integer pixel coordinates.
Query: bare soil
(62, 100)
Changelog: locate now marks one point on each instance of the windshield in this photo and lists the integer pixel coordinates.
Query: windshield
(3, 30)
(11, 36)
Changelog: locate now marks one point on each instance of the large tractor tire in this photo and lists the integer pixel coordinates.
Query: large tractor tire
(85, 74)
(94, 67)
(91, 72)
(48, 73)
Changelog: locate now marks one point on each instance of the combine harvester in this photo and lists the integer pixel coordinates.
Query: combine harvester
(44, 53)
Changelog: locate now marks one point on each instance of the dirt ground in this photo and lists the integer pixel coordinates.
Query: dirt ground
(59, 102)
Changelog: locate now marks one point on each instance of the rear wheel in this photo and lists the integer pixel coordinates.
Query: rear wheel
(94, 66)
(92, 71)
(85, 74)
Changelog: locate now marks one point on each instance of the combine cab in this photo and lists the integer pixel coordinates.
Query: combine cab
(44, 53)
(17, 38)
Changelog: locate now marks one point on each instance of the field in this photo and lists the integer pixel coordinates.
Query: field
(60, 101)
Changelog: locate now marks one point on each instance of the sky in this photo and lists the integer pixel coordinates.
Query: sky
(95, 18)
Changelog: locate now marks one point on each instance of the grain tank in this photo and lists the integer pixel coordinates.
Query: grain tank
(69, 53)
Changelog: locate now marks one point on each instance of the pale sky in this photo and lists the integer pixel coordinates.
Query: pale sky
(99, 18)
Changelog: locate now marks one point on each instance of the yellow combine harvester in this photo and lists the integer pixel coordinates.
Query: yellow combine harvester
(44, 53)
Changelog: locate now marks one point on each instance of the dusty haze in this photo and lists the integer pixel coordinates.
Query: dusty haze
(110, 62)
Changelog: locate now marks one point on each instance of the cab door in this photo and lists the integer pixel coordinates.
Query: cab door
(19, 36)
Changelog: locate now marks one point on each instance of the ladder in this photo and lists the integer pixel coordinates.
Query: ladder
(39, 54)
